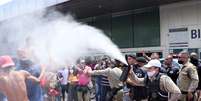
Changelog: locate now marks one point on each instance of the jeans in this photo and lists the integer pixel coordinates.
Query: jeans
(126, 97)
(104, 92)
(72, 92)
(64, 88)
(2, 97)
(98, 92)
(58, 98)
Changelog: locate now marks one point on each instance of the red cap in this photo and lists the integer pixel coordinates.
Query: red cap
(6, 61)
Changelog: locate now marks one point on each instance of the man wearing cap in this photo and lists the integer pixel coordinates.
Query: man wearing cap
(141, 61)
(188, 77)
(12, 83)
(127, 87)
(160, 87)
(134, 90)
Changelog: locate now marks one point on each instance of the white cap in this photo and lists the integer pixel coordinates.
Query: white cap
(153, 63)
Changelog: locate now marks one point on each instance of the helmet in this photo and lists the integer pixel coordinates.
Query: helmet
(6, 61)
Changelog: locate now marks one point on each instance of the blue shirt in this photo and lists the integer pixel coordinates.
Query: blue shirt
(2, 97)
(34, 90)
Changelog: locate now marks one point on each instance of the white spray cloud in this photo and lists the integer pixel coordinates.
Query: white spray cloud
(56, 37)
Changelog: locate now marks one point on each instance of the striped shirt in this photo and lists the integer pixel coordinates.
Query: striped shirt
(104, 81)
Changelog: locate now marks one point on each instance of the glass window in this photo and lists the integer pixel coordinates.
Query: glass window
(103, 23)
(146, 29)
(122, 33)
(177, 51)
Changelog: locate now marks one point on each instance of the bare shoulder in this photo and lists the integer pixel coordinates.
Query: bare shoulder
(23, 72)
(3, 81)
(88, 67)
(2, 78)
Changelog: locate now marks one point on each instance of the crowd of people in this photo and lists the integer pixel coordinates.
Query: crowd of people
(175, 78)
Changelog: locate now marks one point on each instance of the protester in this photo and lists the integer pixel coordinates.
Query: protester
(104, 83)
(64, 81)
(24, 62)
(73, 81)
(34, 90)
(138, 70)
(98, 66)
(12, 83)
(151, 82)
(84, 80)
(137, 63)
(51, 86)
(127, 87)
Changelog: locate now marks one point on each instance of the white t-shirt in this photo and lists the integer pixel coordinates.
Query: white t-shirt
(65, 74)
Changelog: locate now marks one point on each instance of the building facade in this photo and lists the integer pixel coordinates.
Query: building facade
(134, 25)
(164, 28)
(180, 25)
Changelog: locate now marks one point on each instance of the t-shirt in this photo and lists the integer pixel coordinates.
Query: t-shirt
(2, 97)
(83, 77)
(34, 90)
(65, 74)
(73, 78)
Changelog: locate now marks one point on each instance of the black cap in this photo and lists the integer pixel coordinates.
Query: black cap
(130, 55)
(141, 59)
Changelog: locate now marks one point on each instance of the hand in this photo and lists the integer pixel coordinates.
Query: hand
(143, 53)
(42, 82)
(89, 72)
(131, 70)
(190, 96)
(127, 94)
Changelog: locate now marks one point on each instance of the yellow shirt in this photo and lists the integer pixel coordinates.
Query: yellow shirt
(73, 78)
